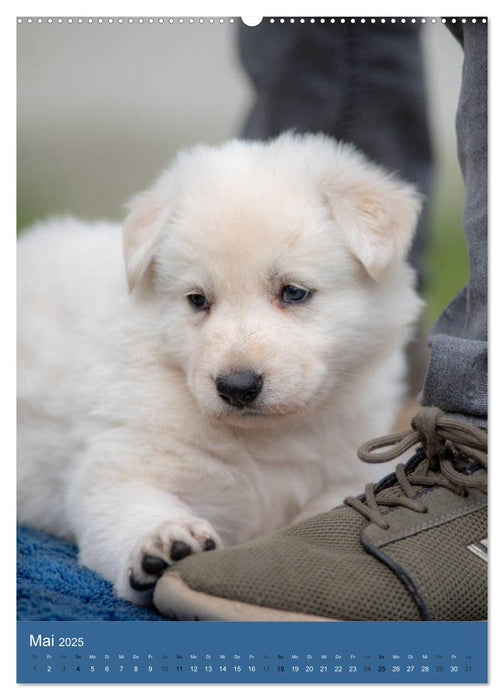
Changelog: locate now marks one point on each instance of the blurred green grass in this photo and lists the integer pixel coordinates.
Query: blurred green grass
(447, 264)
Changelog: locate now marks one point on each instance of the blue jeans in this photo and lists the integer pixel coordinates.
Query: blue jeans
(364, 83)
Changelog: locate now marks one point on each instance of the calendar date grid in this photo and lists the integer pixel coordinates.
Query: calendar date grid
(251, 663)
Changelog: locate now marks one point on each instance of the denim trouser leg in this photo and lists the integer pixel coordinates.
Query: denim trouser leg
(456, 379)
(359, 83)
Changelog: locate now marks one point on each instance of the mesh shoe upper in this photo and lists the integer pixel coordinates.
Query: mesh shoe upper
(316, 567)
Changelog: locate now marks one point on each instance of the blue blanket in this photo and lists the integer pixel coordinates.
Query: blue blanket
(52, 586)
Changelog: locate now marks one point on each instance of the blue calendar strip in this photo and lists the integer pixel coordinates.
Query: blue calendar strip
(252, 652)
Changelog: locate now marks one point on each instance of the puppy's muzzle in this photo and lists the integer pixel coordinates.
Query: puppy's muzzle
(239, 389)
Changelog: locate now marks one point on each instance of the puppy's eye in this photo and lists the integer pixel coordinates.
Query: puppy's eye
(294, 295)
(198, 302)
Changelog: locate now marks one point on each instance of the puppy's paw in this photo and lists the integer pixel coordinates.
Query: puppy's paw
(153, 553)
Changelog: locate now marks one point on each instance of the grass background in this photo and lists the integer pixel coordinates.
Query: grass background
(447, 261)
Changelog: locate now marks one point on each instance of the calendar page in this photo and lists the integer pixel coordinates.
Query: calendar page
(252, 349)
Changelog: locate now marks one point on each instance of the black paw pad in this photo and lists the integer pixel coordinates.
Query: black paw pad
(138, 585)
(209, 544)
(153, 565)
(180, 550)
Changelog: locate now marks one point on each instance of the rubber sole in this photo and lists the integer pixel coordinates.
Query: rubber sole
(174, 599)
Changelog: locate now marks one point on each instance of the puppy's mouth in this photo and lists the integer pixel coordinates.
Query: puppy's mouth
(249, 416)
(245, 419)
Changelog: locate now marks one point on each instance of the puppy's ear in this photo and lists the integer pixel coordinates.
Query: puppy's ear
(377, 214)
(142, 232)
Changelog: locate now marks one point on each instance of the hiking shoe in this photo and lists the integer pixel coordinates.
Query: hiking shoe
(412, 547)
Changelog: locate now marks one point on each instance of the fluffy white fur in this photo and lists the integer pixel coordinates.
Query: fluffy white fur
(124, 443)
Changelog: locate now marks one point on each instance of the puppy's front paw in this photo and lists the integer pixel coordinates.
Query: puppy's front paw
(153, 553)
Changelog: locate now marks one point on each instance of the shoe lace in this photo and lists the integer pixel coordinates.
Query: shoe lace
(457, 460)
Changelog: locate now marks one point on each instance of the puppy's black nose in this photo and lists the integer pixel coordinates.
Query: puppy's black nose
(239, 388)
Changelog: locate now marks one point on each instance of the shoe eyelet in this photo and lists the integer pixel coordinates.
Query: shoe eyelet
(424, 510)
(385, 526)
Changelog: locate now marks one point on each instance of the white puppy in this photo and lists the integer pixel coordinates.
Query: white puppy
(220, 388)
